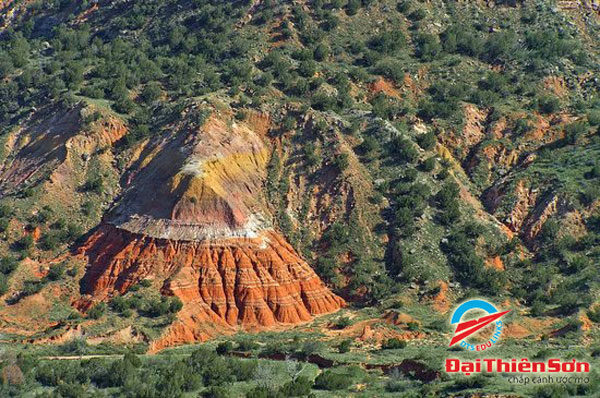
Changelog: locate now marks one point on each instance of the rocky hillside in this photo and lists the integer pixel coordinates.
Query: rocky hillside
(191, 169)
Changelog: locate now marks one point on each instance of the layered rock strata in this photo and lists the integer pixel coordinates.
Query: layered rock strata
(194, 220)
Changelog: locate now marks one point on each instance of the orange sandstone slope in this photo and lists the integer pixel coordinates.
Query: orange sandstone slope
(193, 219)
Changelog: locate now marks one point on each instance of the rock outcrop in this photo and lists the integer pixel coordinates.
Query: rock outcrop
(250, 282)
(193, 219)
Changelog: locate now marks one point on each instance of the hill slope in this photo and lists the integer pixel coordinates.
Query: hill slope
(196, 168)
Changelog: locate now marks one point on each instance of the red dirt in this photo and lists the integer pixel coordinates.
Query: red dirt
(382, 85)
(495, 262)
(441, 303)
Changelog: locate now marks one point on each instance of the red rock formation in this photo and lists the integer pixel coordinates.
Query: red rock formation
(194, 220)
(255, 282)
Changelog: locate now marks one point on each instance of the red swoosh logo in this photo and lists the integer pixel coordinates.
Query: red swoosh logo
(473, 326)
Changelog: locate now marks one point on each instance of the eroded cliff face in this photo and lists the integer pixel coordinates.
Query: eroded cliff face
(193, 219)
(496, 154)
(253, 283)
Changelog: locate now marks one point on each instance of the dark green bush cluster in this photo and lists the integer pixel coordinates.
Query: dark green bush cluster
(468, 267)
(386, 107)
(160, 378)
(332, 380)
(388, 42)
(427, 141)
(298, 387)
(444, 100)
(403, 150)
(336, 237)
(447, 201)
(59, 234)
(393, 344)
(147, 307)
(5, 215)
(7, 265)
(411, 202)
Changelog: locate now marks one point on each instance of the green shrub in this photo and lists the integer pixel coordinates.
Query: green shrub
(427, 46)
(299, 387)
(24, 244)
(331, 381)
(151, 92)
(175, 305)
(385, 107)
(443, 174)
(413, 326)
(417, 14)
(399, 385)
(307, 68)
(242, 370)
(3, 284)
(5, 211)
(321, 52)
(247, 345)
(427, 141)
(463, 40)
(468, 383)
(404, 6)
(405, 220)
(145, 283)
(71, 390)
(594, 172)
(388, 42)
(548, 104)
(450, 214)
(120, 304)
(593, 117)
(500, 45)
(594, 314)
(310, 347)
(56, 272)
(590, 194)
(548, 44)
(4, 224)
(224, 348)
(352, 7)
(323, 102)
(403, 149)
(344, 346)
(124, 105)
(538, 308)
(429, 164)
(8, 264)
(216, 392)
(94, 183)
(393, 344)
(447, 194)
(342, 322)
(341, 161)
(31, 287)
(369, 145)
(97, 311)
(575, 130)
(51, 240)
(260, 392)
(522, 126)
